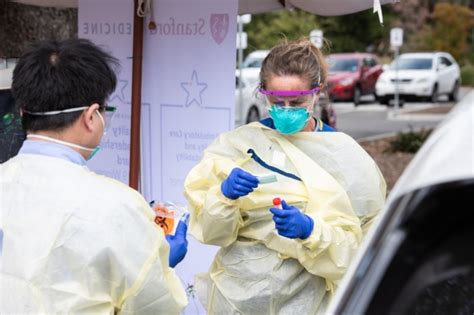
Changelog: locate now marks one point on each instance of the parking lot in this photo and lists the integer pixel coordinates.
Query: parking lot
(371, 119)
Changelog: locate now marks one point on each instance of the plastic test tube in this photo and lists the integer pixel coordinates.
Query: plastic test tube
(185, 218)
(267, 179)
(277, 203)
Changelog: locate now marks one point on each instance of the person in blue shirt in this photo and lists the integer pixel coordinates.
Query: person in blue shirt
(75, 241)
(285, 259)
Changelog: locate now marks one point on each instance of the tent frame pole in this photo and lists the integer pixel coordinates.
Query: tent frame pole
(136, 98)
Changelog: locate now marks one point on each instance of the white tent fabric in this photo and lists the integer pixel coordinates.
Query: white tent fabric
(319, 7)
(50, 3)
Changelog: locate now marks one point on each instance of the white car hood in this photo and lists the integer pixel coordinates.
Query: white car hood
(408, 74)
(447, 155)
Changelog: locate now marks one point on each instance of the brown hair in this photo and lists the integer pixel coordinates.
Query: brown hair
(299, 58)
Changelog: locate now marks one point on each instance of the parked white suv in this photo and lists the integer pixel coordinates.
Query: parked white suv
(420, 76)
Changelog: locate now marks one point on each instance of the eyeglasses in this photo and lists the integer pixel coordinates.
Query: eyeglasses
(109, 113)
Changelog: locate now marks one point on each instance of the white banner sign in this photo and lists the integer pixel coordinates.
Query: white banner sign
(108, 23)
(188, 89)
(187, 97)
(188, 100)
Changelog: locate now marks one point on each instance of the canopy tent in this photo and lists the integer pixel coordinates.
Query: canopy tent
(318, 7)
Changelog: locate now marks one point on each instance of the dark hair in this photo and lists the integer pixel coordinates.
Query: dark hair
(57, 75)
(299, 58)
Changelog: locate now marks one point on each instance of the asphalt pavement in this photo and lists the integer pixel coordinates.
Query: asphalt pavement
(371, 120)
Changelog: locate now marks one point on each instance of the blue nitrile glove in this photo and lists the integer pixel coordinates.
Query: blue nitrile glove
(238, 184)
(291, 222)
(178, 244)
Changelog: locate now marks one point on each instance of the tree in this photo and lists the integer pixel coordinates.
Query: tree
(451, 30)
(355, 32)
(442, 26)
(360, 31)
(268, 29)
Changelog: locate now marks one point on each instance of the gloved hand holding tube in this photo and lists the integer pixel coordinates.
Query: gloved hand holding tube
(290, 222)
(238, 184)
(178, 242)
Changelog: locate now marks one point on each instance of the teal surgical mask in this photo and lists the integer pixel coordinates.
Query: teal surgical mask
(289, 120)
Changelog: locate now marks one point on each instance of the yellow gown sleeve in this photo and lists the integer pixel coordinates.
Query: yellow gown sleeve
(328, 251)
(215, 219)
(156, 288)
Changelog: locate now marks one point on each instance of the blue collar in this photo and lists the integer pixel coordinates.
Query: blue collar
(322, 127)
(52, 149)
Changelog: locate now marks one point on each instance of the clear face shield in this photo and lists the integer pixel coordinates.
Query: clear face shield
(290, 110)
(290, 100)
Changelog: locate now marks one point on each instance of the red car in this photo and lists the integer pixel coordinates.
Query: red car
(352, 75)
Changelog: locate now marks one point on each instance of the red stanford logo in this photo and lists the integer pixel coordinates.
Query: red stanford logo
(219, 27)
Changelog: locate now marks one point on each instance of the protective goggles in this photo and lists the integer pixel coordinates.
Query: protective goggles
(294, 99)
(107, 111)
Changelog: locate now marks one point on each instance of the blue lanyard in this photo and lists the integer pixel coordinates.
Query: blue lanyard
(272, 168)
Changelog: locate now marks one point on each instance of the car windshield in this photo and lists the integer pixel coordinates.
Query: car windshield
(253, 63)
(413, 64)
(343, 65)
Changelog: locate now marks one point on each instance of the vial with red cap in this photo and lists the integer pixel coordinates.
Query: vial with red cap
(277, 203)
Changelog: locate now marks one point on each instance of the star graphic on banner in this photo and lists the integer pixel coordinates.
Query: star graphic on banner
(119, 92)
(194, 90)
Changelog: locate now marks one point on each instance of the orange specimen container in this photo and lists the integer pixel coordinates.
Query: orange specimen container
(164, 218)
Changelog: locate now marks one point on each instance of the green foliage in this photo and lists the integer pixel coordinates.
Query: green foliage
(268, 29)
(408, 141)
(428, 26)
(452, 27)
(467, 75)
(356, 32)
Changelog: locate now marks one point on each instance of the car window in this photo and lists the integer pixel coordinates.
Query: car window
(412, 64)
(253, 63)
(237, 82)
(343, 65)
(445, 61)
(7, 62)
(432, 271)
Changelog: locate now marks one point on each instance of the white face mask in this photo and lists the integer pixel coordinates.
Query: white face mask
(69, 144)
